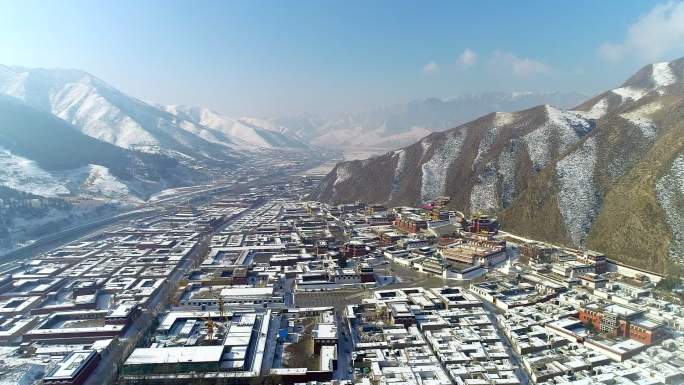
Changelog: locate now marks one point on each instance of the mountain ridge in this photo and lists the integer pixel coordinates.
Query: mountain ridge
(249, 133)
(566, 176)
(105, 113)
(64, 155)
(401, 124)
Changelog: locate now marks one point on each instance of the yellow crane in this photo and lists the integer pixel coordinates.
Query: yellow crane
(221, 308)
(210, 325)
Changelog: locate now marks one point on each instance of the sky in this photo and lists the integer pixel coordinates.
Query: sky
(273, 58)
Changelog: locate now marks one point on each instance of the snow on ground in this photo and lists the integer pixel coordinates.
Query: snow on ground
(506, 169)
(102, 112)
(12, 83)
(383, 139)
(483, 197)
(596, 111)
(202, 132)
(243, 133)
(101, 183)
(487, 138)
(25, 175)
(398, 171)
(264, 124)
(82, 105)
(662, 75)
(349, 154)
(23, 225)
(17, 370)
(566, 127)
(174, 191)
(639, 118)
(577, 198)
(504, 118)
(670, 193)
(248, 134)
(320, 170)
(434, 171)
(424, 146)
(629, 93)
(96, 182)
(342, 173)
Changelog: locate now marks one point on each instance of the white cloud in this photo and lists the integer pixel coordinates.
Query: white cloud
(520, 66)
(655, 35)
(468, 58)
(430, 68)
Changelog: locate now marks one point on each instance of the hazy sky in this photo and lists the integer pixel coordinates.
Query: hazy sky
(285, 57)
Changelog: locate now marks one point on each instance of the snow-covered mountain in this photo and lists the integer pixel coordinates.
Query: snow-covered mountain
(46, 156)
(247, 133)
(608, 174)
(398, 125)
(91, 181)
(105, 113)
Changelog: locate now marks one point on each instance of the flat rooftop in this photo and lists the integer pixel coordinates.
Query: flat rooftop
(621, 310)
(325, 331)
(68, 368)
(174, 355)
(246, 291)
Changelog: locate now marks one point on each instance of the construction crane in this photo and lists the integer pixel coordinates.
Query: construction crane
(464, 222)
(437, 206)
(210, 325)
(221, 309)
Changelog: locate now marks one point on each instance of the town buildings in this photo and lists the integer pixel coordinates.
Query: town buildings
(263, 284)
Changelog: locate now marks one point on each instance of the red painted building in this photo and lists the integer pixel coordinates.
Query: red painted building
(354, 249)
(367, 274)
(410, 224)
(617, 320)
(599, 261)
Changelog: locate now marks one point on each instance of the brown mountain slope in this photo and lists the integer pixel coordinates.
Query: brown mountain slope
(614, 206)
(499, 150)
(633, 223)
(608, 175)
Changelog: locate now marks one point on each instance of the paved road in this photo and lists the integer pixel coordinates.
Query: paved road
(515, 357)
(344, 349)
(107, 369)
(338, 299)
(71, 234)
(288, 292)
(408, 277)
(271, 344)
(157, 207)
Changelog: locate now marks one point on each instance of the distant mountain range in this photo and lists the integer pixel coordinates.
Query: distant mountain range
(402, 124)
(608, 174)
(244, 133)
(66, 132)
(182, 138)
(105, 113)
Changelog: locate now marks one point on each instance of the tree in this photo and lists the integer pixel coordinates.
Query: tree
(669, 283)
